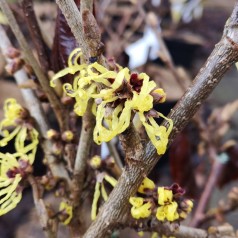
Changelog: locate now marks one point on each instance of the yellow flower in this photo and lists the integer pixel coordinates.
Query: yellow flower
(26, 139)
(136, 201)
(143, 211)
(12, 111)
(139, 208)
(146, 184)
(11, 172)
(168, 208)
(67, 210)
(164, 196)
(168, 212)
(14, 167)
(128, 92)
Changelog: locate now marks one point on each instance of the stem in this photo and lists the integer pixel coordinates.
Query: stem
(35, 32)
(85, 143)
(36, 111)
(54, 101)
(86, 4)
(220, 60)
(72, 16)
(210, 185)
(114, 153)
(41, 209)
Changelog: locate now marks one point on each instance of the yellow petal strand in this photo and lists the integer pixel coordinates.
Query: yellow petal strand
(110, 180)
(10, 189)
(104, 193)
(136, 201)
(10, 136)
(157, 134)
(11, 203)
(95, 201)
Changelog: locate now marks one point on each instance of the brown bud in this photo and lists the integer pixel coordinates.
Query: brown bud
(57, 148)
(53, 134)
(13, 66)
(67, 136)
(12, 53)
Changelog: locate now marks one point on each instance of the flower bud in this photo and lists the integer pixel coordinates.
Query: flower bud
(67, 136)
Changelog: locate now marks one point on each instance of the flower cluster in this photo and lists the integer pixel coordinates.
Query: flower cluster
(122, 95)
(15, 166)
(165, 203)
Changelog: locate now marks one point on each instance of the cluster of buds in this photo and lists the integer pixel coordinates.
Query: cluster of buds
(62, 142)
(96, 163)
(123, 94)
(17, 125)
(63, 145)
(165, 203)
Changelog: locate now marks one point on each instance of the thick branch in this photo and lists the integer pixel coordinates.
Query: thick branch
(220, 60)
(54, 101)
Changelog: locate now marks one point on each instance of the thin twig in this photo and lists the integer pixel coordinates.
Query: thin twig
(168, 230)
(210, 185)
(221, 59)
(114, 153)
(35, 32)
(36, 111)
(72, 15)
(85, 143)
(54, 101)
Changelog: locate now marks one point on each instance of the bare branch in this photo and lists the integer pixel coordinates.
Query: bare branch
(85, 143)
(35, 32)
(54, 101)
(210, 185)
